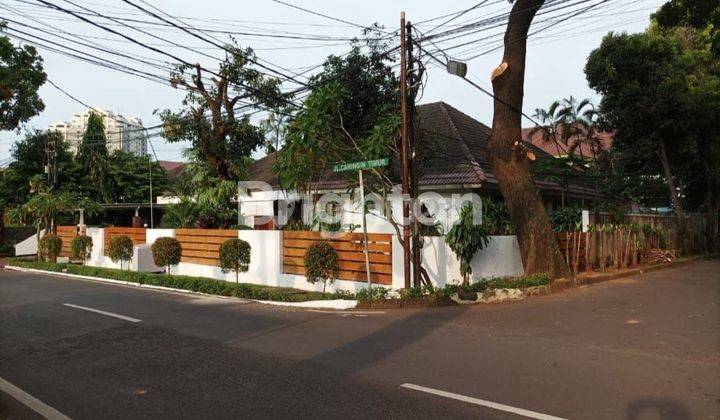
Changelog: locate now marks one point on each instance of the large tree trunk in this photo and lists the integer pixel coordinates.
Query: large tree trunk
(674, 197)
(511, 162)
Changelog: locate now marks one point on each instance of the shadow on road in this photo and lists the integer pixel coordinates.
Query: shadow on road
(659, 408)
(367, 351)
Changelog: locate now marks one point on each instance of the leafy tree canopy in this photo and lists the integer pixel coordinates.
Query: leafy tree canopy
(661, 88)
(697, 14)
(223, 138)
(21, 75)
(351, 114)
(28, 160)
(130, 177)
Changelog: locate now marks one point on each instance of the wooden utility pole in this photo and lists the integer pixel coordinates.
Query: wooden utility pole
(404, 150)
(412, 80)
(51, 151)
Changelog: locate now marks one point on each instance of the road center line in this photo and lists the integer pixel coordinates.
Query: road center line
(98, 311)
(477, 401)
(31, 402)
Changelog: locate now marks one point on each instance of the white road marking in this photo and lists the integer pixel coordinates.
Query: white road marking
(477, 401)
(98, 311)
(31, 402)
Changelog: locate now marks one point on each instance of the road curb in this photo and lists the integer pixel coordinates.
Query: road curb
(338, 304)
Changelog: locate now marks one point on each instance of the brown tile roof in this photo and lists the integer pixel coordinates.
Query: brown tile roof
(453, 148)
(604, 138)
(172, 169)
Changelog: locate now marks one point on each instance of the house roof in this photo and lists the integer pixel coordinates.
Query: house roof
(452, 147)
(604, 139)
(172, 169)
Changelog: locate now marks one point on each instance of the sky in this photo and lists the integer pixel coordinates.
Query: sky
(566, 34)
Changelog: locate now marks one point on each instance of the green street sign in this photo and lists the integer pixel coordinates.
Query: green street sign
(356, 166)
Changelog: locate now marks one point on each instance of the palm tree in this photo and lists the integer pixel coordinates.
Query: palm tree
(578, 123)
(552, 121)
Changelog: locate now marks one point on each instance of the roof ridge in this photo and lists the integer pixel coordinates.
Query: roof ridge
(473, 162)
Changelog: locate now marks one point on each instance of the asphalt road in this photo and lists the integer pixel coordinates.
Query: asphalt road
(637, 348)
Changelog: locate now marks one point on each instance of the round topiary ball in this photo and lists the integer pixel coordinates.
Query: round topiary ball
(166, 252)
(120, 249)
(235, 256)
(321, 263)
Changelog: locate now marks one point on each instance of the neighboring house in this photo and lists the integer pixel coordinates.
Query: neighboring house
(173, 170)
(602, 141)
(122, 133)
(453, 147)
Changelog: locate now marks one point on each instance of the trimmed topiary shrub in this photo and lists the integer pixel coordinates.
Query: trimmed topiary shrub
(81, 247)
(235, 257)
(49, 247)
(120, 249)
(166, 252)
(321, 263)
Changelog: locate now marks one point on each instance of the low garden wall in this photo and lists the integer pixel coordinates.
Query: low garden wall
(277, 257)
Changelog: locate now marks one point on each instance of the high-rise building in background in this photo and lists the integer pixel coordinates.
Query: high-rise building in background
(122, 133)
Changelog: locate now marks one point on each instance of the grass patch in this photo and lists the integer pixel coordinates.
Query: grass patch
(195, 284)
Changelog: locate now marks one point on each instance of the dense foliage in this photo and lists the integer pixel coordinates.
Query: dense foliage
(127, 178)
(321, 263)
(696, 14)
(567, 219)
(235, 257)
(49, 247)
(351, 114)
(465, 238)
(195, 284)
(226, 140)
(28, 161)
(166, 252)
(661, 96)
(495, 217)
(45, 205)
(206, 200)
(92, 155)
(120, 249)
(21, 75)
(81, 247)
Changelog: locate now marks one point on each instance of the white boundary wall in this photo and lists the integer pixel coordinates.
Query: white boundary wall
(500, 258)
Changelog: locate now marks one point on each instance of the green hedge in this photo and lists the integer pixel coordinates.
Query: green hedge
(196, 284)
(379, 293)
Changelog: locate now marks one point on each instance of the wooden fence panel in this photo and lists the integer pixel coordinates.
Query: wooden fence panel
(695, 240)
(573, 249)
(138, 235)
(349, 247)
(202, 246)
(66, 234)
